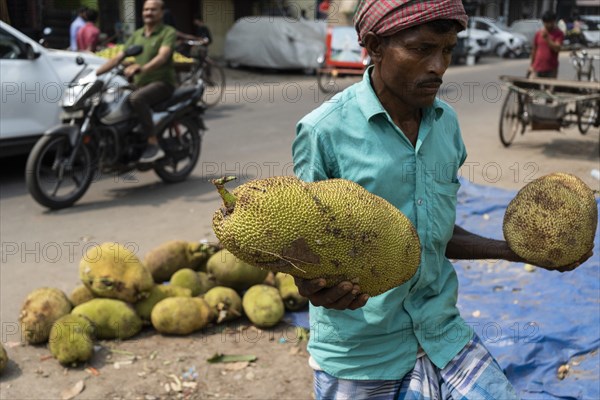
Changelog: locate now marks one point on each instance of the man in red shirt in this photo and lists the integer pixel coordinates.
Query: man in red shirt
(87, 36)
(546, 46)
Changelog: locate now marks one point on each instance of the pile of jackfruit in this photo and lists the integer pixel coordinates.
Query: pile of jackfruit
(179, 288)
(110, 52)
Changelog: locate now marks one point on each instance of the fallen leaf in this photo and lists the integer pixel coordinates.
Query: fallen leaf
(73, 391)
(46, 357)
(222, 358)
(93, 371)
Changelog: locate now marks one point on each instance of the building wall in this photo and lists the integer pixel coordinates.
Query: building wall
(219, 16)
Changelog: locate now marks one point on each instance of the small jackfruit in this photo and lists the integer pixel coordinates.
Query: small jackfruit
(206, 282)
(71, 339)
(230, 271)
(110, 270)
(332, 229)
(181, 315)
(225, 302)
(187, 278)
(166, 259)
(41, 309)
(263, 306)
(80, 295)
(112, 319)
(552, 221)
(144, 307)
(3, 358)
(289, 293)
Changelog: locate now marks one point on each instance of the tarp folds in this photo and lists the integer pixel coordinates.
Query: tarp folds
(275, 42)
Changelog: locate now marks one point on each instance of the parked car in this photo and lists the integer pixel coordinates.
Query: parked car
(503, 42)
(477, 42)
(591, 30)
(275, 42)
(527, 28)
(33, 79)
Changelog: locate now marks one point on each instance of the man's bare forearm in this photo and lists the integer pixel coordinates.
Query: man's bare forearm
(465, 245)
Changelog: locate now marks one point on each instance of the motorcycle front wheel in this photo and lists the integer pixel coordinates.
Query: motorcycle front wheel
(57, 174)
(181, 142)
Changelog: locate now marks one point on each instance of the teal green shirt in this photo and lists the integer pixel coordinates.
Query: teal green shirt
(162, 35)
(353, 137)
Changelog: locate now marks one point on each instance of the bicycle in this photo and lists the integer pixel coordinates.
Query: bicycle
(206, 69)
(588, 111)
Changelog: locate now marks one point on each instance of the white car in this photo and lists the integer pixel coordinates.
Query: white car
(591, 31)
(32, 81)
(502, 42)
(477, 42)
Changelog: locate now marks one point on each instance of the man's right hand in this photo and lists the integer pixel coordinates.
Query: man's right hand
(343, 296)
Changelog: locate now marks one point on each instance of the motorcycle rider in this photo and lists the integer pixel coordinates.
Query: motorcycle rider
(153, 71)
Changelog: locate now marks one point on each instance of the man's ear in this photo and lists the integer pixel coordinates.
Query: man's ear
(374, 45)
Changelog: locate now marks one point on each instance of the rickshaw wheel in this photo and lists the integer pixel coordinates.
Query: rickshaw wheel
(587, 114)
(326, 80)
(511, 118)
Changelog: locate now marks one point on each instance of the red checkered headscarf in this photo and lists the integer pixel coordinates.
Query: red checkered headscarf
(386, 17)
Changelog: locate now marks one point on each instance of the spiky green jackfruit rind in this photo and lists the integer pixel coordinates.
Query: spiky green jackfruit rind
(552, 221)
(71, 339)
(110, 270)
(3, 358)
(80, 295)
(187, 278)
(112, 319)
(289, 293)
(230, 271)
(41, 309)
(333, 229)
(170, 257)
(144, 307)
(225, 302)
(180, 315)
(263, 306)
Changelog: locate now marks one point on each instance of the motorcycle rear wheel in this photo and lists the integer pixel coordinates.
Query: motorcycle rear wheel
(57, 175)
(182, 142)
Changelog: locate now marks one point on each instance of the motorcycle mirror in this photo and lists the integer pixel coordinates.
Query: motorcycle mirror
(133, 50)
(79, 60)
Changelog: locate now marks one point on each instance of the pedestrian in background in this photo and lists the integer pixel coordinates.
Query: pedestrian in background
(546, 47)
(76, 25)
(87, 36)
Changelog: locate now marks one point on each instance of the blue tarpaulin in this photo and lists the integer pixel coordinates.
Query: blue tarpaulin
(533, 321)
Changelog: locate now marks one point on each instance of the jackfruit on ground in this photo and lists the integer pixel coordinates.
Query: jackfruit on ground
(332, 229)
(263, 306)
(41, 309)
(225, 302)
(181, 315)
(80, 295)
(3, 358)
(552, 221)
(230, 271)
(289, 293)
(169, 257)
(144, 307)
(112, 319)
(206, 282)
(187, 278)
(71, 339)
(110, 270)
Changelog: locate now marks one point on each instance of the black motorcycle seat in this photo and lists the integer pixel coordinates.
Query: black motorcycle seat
(179, 95)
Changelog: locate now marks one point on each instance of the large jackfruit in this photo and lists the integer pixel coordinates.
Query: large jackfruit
(144, 307)
(552, 221)
(41, 309)
(110, 270)
(332, 229)
(71, 339)
(230, 271)
(181, 315)
(3, 358)
(263, 306)
(112, 319)
(168, 258)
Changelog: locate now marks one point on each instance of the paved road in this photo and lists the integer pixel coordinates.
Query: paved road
(249, 135)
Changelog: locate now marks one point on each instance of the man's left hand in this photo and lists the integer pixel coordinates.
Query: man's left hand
(132, 70)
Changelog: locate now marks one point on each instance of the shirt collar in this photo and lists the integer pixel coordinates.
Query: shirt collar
(370, 105)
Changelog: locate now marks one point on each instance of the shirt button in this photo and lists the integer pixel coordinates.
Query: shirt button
(420, 202)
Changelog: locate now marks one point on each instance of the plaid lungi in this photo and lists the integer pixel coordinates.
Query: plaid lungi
(472, 374)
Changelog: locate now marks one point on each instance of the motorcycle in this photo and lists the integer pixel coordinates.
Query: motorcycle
(100, 134)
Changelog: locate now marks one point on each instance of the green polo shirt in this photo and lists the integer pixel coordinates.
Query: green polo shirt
(162, 35)
(353, 137)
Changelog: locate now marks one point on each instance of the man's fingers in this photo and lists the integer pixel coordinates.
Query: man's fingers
(309, 287)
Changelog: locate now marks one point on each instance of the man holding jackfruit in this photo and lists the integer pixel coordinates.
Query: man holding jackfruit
(390, 134)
